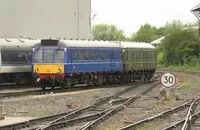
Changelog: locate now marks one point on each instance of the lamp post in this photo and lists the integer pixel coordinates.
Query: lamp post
(92, 22)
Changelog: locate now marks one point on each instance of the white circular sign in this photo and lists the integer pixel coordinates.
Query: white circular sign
(168, 80)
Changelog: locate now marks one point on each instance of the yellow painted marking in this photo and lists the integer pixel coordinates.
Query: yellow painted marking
(48, 69)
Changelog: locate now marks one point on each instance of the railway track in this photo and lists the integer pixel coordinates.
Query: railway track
(38, 91)
(183, 124)
(113, 111)
(191, 121)
(178, 71)
(95, 113)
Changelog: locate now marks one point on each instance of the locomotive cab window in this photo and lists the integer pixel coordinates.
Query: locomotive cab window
(59, 56)
(48, 56)
(38, 56)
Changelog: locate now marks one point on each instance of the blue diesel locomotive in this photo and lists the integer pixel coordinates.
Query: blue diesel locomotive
(71, 62)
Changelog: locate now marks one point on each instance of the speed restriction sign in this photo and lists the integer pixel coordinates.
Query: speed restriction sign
(168, 80)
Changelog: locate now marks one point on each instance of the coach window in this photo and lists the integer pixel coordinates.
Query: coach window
(139, 55)
(150, 55)
(127, 55)
(14, 57)
(75, 55)
(136, 55)
(153, 55)
(144, 56)
(81, 55)
(86, 55)
(92, 55)
(103, 54)
(132, 56)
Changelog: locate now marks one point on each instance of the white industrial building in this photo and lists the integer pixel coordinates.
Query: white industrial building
(45, 18)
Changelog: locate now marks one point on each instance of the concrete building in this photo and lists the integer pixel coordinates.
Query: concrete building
(45, 18)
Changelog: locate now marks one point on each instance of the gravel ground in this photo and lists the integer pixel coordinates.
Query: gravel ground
(37, 106)
(148, 106)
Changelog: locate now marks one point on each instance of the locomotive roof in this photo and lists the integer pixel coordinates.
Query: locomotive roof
(78, 43)
(136, 45)
(13, 44)
(84, 43)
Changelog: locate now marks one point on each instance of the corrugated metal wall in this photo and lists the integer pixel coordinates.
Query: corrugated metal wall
(45, 18)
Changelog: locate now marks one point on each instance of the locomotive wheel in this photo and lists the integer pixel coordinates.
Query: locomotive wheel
(35, 76)
(43, 87)
(42, 84)
(58, 76)
(143, 78)
(68, 82)
(62, 84)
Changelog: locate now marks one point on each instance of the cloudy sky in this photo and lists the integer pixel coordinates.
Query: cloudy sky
(129, 15)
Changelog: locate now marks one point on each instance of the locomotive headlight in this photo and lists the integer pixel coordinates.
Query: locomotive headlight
(38, 80)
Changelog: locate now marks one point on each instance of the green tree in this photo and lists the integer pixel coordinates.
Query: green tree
(180, 46)
(146, 33)
(107, 32)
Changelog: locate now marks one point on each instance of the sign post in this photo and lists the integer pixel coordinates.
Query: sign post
(168, 80)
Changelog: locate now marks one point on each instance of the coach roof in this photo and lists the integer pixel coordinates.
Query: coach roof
(85, 43)
(136, 45)
(14, 44)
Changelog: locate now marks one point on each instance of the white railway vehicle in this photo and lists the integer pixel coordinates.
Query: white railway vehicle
(15, 60)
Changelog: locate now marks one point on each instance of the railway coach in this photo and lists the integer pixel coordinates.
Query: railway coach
(139, 60)
(15, 60)
(70, 62)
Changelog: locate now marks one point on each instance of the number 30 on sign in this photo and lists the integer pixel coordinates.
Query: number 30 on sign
(168, 80)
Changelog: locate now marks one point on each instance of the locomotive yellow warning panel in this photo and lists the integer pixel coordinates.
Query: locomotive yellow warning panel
(48, 69)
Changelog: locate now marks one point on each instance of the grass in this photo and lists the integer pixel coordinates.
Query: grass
(169, 100)
(184, 67)
(150, 126)
(186, 85)
(111, 126)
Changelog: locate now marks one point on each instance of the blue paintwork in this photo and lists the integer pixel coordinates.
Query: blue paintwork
(111, 63)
